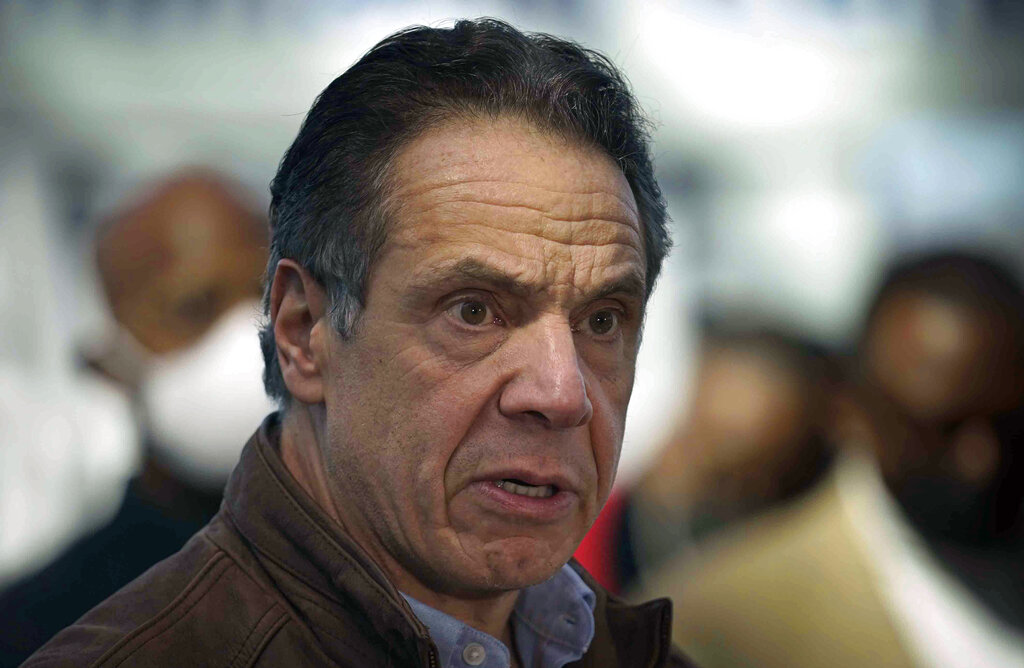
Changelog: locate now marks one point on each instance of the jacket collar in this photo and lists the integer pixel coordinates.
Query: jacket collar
(293, 536)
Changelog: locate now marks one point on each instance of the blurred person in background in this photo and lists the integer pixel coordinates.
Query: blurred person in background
(913, 553)
(751, 439)
(180, 267)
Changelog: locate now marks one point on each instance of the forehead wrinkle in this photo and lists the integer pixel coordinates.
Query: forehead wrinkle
(631, 283)
(527, 221)
(545, 211)
(518, 279)
(413, 239)
(498, 187)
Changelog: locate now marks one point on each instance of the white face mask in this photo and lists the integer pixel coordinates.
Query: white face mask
(203, 403)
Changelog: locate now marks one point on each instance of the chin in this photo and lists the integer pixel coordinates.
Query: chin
(503, 565)
(521, 562)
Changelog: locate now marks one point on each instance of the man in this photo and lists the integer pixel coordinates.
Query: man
(179, 265)
(911, 554)
(464, 236)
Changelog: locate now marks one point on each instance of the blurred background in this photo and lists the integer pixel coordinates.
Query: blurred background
(802, 145)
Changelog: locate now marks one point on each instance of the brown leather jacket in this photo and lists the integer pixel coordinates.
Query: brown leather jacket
(272, 581)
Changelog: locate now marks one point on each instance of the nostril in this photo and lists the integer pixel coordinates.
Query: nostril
(537, 414)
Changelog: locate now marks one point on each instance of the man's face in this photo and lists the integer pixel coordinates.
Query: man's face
(939, 367)
(749, 424)
(497, 344)
(177, 262)
(946, 410)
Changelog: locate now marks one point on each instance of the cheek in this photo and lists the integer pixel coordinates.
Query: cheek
(607, 428)
(422, 408)
(606, 441)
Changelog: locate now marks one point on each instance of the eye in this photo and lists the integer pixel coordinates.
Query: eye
(473, 312)
(603, 323)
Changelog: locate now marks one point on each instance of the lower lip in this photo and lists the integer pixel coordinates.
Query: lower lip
(555, 507)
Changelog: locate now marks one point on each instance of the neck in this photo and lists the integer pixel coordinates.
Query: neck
(302, 428)
(302, 455)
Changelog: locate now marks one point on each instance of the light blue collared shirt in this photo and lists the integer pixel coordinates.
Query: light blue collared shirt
(553, 624)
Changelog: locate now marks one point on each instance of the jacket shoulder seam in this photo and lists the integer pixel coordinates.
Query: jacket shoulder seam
(208, 576)
(260, 635)
(270, 557)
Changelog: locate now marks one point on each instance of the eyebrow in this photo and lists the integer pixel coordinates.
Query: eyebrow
(484, 273)
(632, 284)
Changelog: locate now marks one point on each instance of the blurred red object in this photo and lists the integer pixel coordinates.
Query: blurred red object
(597, 552)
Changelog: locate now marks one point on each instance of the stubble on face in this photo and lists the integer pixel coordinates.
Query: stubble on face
(483, 354)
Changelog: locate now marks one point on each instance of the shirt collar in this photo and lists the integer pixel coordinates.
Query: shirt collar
(553, 624)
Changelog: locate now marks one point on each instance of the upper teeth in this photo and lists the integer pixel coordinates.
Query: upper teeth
(538, 491)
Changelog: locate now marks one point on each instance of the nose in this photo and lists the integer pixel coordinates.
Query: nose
(976, 452)
(547, 384)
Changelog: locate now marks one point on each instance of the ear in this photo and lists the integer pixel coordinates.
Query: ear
(297, 311)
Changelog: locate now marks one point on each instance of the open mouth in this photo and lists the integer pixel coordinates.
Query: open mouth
(514, 486)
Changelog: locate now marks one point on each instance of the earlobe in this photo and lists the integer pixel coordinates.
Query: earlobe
(297, 309)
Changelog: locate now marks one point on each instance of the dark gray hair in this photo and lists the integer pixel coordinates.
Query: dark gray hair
(328, 210)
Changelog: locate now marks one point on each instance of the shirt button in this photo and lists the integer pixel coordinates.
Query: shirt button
(474, 654)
